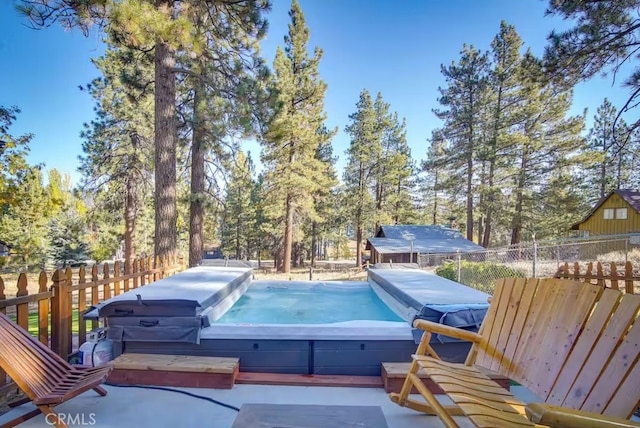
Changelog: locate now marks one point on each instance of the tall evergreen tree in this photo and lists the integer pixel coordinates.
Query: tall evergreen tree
(505, 113)
(464, 98)
(361, 161)
(291, 144)
(239, 211)
(610, 158)
(323, 198)
(399, 169)
(24, 223)
(118, 148)
(13, 152)
(434, 170)
(550, 141)
(163, 27)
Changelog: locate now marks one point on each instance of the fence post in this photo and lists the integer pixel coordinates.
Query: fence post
(535, 256)
(628, 280)
(60, 315)
(116, 274)
(106, 288)
(310, 273)
(2, 297)
(22, 310)
(82, 306)
(43, 310)
(459, 257)
(626, 250)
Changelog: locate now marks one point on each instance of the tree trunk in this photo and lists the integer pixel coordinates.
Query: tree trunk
(314, 229)
(469, 199)
(130, 213)
(165, 148)
(295, 256)
(288, 236)
(196, 207)
(516, 231)
(359, 209)
(470, 174)
(603, 167)
(489, 215)
(435, 198)
(358, 246)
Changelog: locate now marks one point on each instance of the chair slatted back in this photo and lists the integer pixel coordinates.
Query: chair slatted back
(34, 367)
(573, 344)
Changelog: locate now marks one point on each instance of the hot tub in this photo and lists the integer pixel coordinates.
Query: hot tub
(300, 327)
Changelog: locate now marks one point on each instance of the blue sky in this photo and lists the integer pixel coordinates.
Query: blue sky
(384, 46)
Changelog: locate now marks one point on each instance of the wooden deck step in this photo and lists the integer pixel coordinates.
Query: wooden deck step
(393, 375)
(175, 370)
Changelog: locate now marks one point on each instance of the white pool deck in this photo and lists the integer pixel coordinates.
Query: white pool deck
(135, 407)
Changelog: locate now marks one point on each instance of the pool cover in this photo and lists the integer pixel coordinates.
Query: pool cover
(170, 309)
(434, 299)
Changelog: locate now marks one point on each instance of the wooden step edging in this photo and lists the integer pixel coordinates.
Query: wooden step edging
(174, 370)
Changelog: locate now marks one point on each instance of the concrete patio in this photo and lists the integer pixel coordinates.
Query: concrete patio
(125, 407)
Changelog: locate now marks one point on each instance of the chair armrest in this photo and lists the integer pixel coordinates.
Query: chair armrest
(446, 330)
(563, 417)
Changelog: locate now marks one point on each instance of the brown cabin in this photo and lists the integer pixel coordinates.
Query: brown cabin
(616, 213)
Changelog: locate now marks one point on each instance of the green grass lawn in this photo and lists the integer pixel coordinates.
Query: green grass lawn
(33, 323)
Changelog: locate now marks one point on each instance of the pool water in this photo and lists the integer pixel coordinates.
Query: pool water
(267, 302)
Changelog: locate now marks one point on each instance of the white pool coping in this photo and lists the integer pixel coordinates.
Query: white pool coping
(348, 330)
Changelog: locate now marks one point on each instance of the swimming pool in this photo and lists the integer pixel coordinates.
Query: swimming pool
(301, 327)
(271, 302)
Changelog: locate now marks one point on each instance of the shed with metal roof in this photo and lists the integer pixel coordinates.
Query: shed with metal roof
(403, 243)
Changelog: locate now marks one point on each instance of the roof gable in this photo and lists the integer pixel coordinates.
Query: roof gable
(632, 197)
(417, 232)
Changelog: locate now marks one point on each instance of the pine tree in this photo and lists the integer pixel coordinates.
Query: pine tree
(604, 37)
(291, 144)
(164, 27)
(24, 223)
(361, 161)
(118, 143)
(505, 113)
(239, 210)
(550, 141)
(13, 164)
(464, 98)
(434, 170)
(400, 172)
(380, 149)
(609, 156)
(323, 198)
(220, 81)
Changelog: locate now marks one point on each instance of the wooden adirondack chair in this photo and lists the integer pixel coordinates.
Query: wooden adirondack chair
(45, 378)
(575, 345)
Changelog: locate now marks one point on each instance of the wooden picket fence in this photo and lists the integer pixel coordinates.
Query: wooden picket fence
(618, 279)
(65, 295)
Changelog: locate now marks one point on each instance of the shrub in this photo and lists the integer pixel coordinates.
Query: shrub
(479, 275)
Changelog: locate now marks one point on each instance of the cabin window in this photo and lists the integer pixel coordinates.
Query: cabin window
(608, 213)
(621, 213)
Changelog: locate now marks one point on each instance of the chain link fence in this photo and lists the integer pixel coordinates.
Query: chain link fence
(530, 259)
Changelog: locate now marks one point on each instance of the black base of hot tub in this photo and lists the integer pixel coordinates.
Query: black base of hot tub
(326, 357)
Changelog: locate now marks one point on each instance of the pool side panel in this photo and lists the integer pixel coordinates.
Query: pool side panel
(339, 357)
(264, 356)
